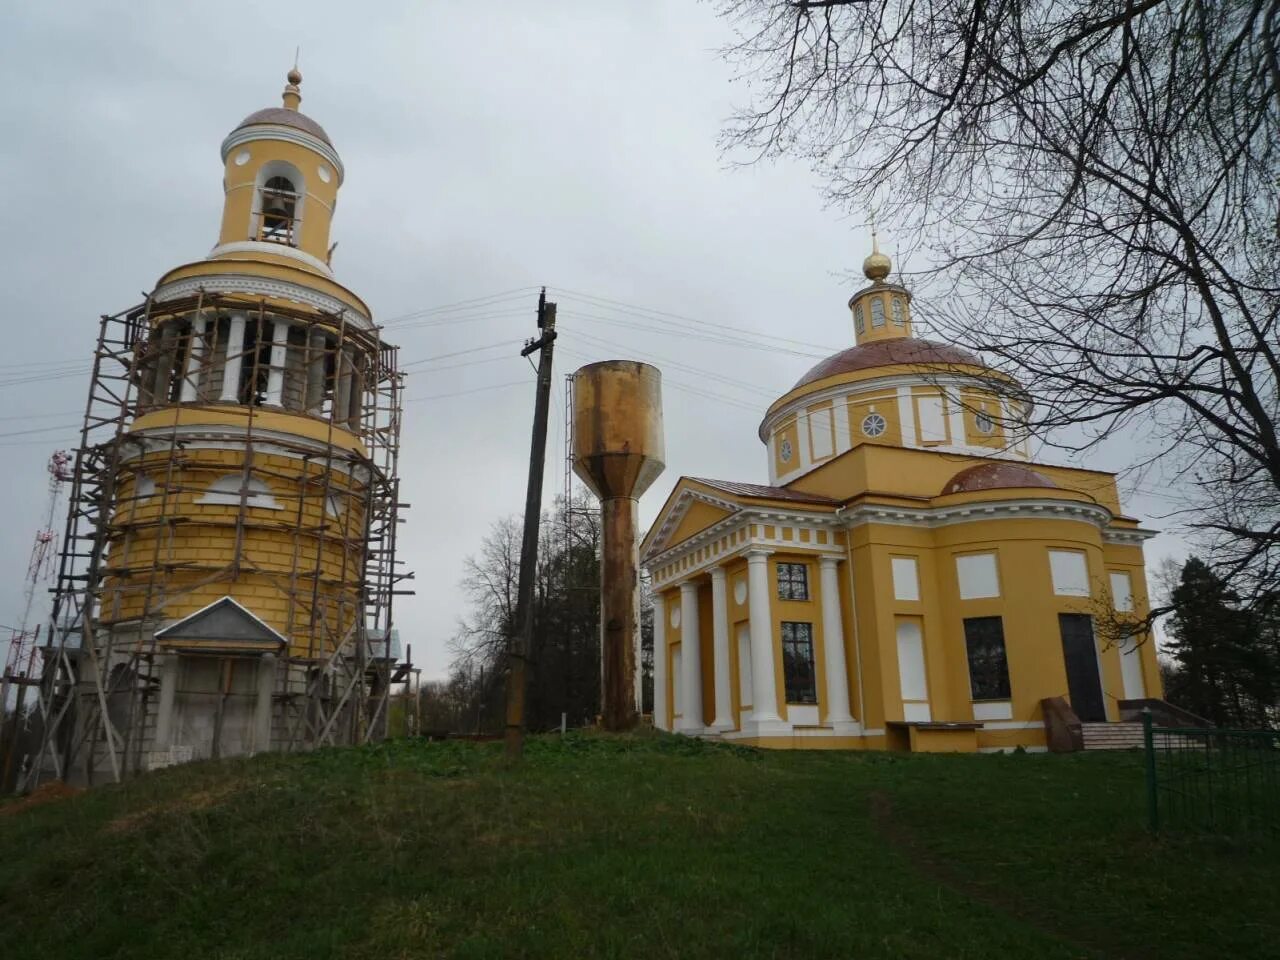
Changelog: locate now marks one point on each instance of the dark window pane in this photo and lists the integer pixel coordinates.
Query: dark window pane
(797, 662)
(793, 581)
(988, 666)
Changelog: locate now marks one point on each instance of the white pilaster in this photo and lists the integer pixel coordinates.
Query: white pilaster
(231, 370)
(279, 356)
(833, 644)
(660, 654)
(764, 692)
(195, 352)
(690, 660)
(720, 644)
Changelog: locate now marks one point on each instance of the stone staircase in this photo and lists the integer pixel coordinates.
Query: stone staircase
(1125, 735)
(1065, 732)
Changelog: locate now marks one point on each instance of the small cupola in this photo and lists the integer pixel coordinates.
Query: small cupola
(881, 311)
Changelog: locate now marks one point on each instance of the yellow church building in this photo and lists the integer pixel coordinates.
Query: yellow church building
(908, 578)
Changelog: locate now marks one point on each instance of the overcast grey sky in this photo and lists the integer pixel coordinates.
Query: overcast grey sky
(488, 148)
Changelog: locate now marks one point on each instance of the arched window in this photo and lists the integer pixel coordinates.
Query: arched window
(279, 206)
(225, 491)
(877, 312)
(899, 314)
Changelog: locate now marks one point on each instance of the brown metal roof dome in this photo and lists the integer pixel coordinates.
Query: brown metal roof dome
(883, 353)
(283, 116)
(995, 476)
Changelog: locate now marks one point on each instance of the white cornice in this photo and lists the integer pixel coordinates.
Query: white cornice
(932, 517)
(138, 443)
(259, 286)
(286, 134)
(272, 250)
(847, 518)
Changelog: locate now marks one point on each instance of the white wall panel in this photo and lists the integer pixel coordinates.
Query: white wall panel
(1122, 592)
(911, 673)
(675, 680)
(1070, 573)
(906, 579)
(744, 664)
(978, 576)
(820, 430)
(933, 420)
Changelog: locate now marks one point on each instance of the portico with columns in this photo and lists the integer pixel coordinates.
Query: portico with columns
(722, 600)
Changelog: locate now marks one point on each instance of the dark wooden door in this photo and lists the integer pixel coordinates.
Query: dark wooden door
(1084, 687)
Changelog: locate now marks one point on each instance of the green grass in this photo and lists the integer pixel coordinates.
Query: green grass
(645, 846)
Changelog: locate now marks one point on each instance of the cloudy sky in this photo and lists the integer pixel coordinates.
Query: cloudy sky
(489, 148)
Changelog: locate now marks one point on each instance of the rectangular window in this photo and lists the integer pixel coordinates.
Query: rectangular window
(1070, 573)
(977, 576)
(793, 581)
(988, 666)
(797, 662)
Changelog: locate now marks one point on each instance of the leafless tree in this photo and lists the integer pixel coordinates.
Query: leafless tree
(1092, 188)
(565, 675)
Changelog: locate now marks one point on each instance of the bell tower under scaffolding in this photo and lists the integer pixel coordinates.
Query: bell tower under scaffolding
(228, 566)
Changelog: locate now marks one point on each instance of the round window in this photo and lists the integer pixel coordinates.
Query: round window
(242, 158)
(324, 173)
(984, 423)
(873, 425)
(784, 451)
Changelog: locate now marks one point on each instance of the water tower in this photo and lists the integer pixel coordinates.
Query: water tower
(618, 453)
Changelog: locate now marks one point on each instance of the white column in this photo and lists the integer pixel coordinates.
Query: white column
(231, 371)
(660, 654)
(764, 691)
(690, 660)
(279, 356)
(720, 643)
(833, 643)
(195, 352)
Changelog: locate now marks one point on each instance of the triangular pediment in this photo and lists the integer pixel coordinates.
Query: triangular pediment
(222, 625)
(689, 510)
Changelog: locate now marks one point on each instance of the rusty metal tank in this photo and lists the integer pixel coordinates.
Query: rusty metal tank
(618, 453)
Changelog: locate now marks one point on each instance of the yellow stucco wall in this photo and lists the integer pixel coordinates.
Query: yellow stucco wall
(168, 554)
(1027, 606)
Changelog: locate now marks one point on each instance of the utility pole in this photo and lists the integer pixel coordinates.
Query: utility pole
(521, 644)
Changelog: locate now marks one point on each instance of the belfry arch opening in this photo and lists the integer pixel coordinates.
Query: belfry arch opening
(277, 204)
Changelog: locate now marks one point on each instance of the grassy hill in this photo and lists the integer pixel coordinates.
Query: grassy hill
(647, 846)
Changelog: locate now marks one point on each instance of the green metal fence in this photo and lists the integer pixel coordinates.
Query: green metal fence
(1203, 779)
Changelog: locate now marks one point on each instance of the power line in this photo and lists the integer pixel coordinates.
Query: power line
(461, 305)
(655, 314)
(459, 353)
(459, 393)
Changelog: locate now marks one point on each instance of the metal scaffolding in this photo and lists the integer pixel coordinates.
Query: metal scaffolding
(123, 566)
